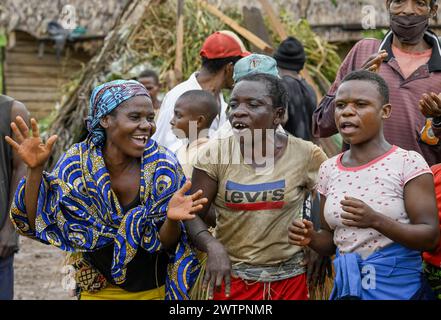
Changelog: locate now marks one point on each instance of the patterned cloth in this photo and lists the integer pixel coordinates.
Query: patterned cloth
(78, 211)
(433, 276)
(380, 184)
(107, 97)
(285, 270)
(87, 278)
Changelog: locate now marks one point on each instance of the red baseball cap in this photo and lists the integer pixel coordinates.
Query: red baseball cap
(223, 44)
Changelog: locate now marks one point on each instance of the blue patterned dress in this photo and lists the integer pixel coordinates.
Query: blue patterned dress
(78, 211)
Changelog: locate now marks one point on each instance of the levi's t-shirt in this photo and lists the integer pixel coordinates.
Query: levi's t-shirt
(255, 207)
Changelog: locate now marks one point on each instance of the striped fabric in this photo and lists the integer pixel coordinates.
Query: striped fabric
(406, 122)
(105, 98)
(78, 211)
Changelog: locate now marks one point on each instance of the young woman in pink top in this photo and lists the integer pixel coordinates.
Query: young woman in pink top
(378, 203)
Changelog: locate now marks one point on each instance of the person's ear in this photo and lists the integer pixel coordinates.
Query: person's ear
(201, 121)
(153, 130)
(434, 11)
(229, 69)
(104, 121)
(279, 115)
(386, 111)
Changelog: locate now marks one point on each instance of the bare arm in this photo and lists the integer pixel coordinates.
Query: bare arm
(33, 181)
(302, 233)
(210, 217)
(34, 153)
(218, 262)
(8, 237)
(181, 207)
(421, 233)
(197, 228)
(169, 233)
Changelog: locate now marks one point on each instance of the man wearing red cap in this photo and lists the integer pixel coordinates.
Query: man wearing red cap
(219, 53)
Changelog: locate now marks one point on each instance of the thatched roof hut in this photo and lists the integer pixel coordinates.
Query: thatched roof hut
(69, 122)
(136, 33)
(36, 68)
(145, 33)
(32, 16)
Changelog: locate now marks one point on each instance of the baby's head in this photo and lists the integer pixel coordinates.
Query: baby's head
(196, 106)
(361, 106)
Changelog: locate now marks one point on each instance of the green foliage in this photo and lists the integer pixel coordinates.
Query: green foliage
(45, 123)
(374, 33)
(157, 38)
(323, 60)
(153, 44)
(157, 35)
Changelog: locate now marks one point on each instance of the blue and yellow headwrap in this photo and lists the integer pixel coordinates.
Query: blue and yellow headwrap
(105, 98)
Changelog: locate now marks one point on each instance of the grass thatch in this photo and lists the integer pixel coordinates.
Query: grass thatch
(145, 35)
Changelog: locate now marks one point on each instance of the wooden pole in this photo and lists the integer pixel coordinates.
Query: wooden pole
(327, 144)
(276, 24)
(179, 40)
(251, 37)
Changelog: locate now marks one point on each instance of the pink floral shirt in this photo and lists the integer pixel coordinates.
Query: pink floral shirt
(380, 184)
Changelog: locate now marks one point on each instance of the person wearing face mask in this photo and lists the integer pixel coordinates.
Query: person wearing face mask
(378, 207)
(409, 59)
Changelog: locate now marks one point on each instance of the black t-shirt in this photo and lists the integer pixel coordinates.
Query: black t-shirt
(302, 103)
(145, 272)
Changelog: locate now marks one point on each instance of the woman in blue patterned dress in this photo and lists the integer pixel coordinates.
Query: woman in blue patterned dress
(116, 199)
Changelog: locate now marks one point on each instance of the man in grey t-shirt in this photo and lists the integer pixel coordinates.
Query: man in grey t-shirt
(12, 169)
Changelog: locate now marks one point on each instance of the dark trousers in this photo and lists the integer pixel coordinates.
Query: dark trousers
(7, 278)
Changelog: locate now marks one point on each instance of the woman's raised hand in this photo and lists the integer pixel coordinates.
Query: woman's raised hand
(183, 207)
(30, 148)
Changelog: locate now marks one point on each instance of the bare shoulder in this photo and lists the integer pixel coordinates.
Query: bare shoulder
(19, 109)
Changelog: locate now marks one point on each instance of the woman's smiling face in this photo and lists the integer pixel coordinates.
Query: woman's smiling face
(130, 126)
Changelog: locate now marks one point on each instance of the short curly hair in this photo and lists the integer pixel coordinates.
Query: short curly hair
(432, 2)
(364, 75)
(276, 90)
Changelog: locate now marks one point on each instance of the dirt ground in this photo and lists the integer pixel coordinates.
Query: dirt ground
(38, 272)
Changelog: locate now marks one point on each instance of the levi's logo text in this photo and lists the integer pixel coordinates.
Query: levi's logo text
(253, 197)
